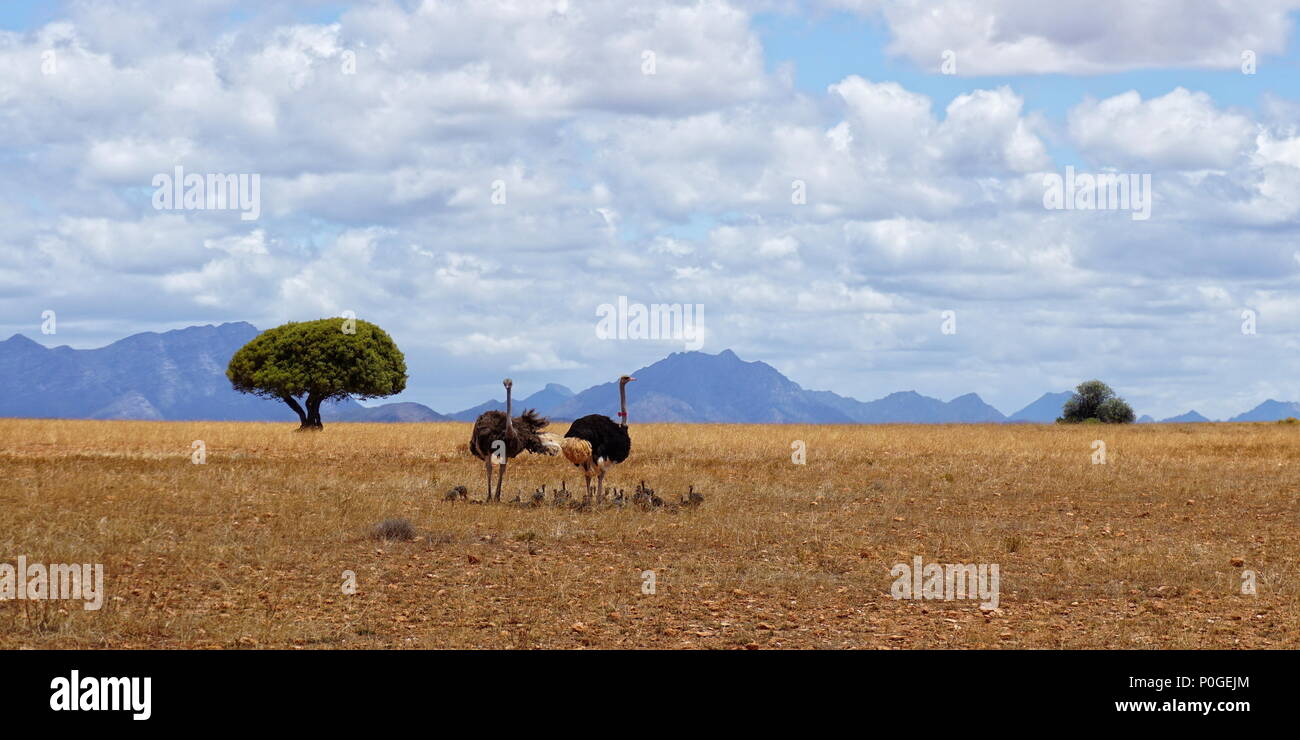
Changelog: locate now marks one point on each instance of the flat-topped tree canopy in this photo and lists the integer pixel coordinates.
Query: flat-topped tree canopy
(307, 363)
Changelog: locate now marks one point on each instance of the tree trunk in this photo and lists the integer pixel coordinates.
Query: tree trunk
(297, 409)
(313, 412)
(306, 420)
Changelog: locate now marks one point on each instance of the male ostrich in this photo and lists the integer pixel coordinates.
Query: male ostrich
(514, 435)
(595, 443)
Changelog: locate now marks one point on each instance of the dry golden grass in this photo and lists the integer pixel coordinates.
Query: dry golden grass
(249, 549)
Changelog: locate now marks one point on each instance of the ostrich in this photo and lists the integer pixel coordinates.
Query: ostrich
(595, 443)
(514, 435)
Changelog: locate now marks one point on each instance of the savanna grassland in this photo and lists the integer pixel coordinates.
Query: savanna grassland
(248, 550)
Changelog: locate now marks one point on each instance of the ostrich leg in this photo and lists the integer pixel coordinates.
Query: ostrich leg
(488, 465)
(501, 475)
(600, 485)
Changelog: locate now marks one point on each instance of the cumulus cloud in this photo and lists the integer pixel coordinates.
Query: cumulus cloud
(1180, 130)
(488, 173)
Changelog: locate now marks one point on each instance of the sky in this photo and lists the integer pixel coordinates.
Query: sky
(827, 179)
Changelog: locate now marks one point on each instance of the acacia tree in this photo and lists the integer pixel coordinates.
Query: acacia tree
(307, 363)
(1094, 399)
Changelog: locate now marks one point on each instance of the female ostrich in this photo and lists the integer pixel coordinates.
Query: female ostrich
(595, 443)
(497, 438)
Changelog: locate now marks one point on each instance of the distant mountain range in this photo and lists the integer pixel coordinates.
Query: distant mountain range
(175, 375)
(404, 411)
(544, 400)
(180, 375)
(1270, 410)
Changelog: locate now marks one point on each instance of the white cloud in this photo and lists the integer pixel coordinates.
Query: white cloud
(985, 130)
(536, 356)
(1005, 37)
(1180, 130)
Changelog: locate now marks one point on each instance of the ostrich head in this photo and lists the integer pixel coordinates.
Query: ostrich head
(625, 379)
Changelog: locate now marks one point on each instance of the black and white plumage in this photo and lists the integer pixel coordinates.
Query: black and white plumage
(595, 443)
(497, 438)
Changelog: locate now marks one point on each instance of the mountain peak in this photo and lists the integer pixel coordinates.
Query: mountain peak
(1270, 410)
(20, 340)
(1189, 417)
(1045, 410)
(227, 328)
(725, 355)
(560, 389)
(703, 387)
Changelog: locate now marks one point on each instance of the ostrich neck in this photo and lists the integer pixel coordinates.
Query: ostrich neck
(510, 427)
(622, 403)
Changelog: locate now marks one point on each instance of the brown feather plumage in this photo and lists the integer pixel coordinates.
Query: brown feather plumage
(576, 451)
(525, 433)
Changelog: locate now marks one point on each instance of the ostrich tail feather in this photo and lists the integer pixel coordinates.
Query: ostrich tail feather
(576, 451)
